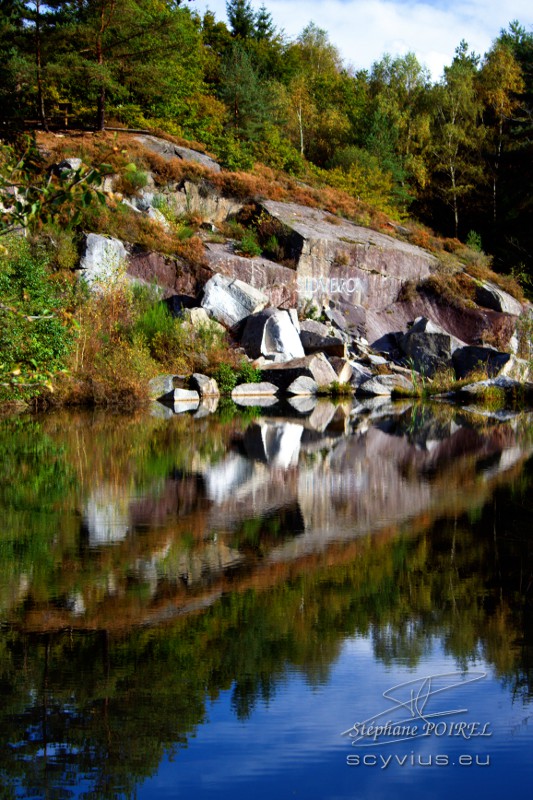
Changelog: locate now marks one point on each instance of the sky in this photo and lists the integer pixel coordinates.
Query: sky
(364, 30)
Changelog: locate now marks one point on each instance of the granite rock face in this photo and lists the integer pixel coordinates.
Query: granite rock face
(262, 389)
(491, 296)
(172, 275)
(206, 387)
(426, 346)
(160, 386)
(279, 283)
(318, 338)
(384, 385)
(303, 386)
(169, 150)
(336, 258)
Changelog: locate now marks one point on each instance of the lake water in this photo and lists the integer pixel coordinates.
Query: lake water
(334, 604)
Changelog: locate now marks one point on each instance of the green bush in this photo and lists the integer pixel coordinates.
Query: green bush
(473, 240)
(133, 179)
(226, 377)
(36, 333)
(154, 320)
(248, 374)
(249, 246)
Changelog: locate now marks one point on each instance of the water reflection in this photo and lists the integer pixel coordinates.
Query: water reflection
(149, 567)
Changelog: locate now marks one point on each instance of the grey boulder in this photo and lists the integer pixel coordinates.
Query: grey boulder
(314, 366)
(271, 333)
(230, 301)
(102, 259)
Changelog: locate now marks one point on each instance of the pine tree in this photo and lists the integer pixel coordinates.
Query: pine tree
(264, 25)
(244, 95)
(241, 18)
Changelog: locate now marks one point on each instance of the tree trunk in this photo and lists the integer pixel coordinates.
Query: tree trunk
(38, 63)
(100, 110)
(301, 127)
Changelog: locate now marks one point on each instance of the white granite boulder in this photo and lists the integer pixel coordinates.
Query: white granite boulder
(230, 301)
(271, 333)
(103, 259)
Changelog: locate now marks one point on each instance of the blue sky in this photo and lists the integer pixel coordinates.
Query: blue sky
(364, 30)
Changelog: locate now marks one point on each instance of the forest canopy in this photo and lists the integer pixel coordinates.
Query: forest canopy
(456, 153)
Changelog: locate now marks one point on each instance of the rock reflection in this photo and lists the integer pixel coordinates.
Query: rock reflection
(187, 508)
(197, 558)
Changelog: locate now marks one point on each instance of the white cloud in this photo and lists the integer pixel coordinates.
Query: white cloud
(364, 30)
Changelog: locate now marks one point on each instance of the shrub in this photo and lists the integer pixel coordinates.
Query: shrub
(36, 330)
(155, 320)
(248, 374)
(59, 247)
(226, 378)
(249, 246)
(473, 241)
(335, 389)
(132, 179)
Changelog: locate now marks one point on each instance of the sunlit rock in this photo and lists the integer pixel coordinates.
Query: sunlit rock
(230, 301)
(271, 332)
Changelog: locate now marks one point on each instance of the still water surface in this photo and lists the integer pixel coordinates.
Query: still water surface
(215, 607)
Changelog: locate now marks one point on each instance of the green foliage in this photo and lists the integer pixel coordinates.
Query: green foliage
(248, 245)
(235, 156)
(362, 175)
(473, 240)
(133, 179)
(30, 196)
(35, 333)
(248, 374)
(245, 95)
(336, 389)
(155, 320)
(227, 377)
(61, 246)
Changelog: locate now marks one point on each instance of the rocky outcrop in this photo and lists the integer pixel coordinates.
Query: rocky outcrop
(302, 386)
(262, 389)
(427, 347)
(169, 150)
(468, 359)
(206, 387)
(502, 391)
(494, 362)
(337, 257)
(342, 367)
(160, 386)
(279, 283)
(198, 318)
(172, 275)
(202, 200)
(491, 296)
(385, 385)
(318, 338)
(469, 325)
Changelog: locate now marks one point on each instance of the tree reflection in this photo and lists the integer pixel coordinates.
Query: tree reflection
(99, 707)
